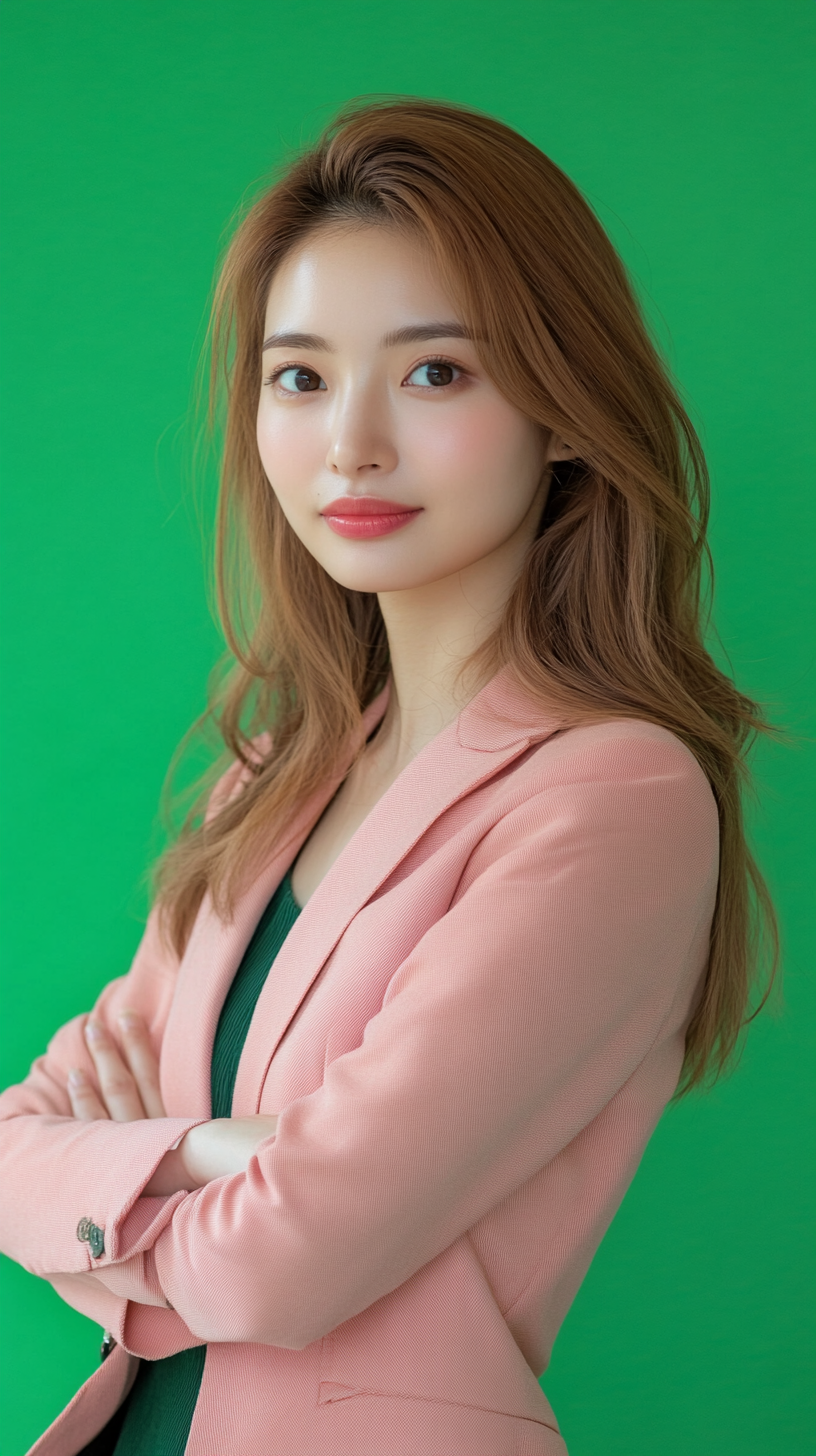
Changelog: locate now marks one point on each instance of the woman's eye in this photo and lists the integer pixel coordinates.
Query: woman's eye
(298, 380)
(434, 373)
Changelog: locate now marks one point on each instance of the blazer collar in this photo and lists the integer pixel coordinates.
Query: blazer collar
(499, 723)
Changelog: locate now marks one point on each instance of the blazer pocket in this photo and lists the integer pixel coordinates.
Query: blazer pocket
(407, 1425)
(332, 1391)
(419, 1344)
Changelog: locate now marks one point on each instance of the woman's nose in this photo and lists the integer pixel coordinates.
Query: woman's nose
(361, 441)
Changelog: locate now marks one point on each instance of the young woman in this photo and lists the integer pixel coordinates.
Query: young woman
(473, 898)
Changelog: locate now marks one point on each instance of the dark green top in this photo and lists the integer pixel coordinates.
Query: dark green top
(158, 1413)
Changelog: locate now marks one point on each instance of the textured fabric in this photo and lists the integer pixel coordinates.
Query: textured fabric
(161, 1404)
(236, 1015)
(473, 1027)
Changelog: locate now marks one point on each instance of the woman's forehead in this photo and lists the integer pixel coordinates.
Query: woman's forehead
(367, 276)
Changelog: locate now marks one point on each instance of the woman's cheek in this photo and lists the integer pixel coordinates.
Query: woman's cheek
(447, 451)
(290, 451)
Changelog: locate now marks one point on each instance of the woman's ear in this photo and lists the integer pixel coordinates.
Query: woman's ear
(559, 449)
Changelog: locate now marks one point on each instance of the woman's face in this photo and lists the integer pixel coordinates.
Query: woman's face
(373, 397)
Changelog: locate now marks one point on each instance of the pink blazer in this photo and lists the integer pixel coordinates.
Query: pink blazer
(469, 1036)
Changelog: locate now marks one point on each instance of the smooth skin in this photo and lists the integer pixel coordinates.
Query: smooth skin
(370, 387)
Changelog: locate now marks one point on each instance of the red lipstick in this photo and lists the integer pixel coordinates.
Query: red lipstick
(362, 516)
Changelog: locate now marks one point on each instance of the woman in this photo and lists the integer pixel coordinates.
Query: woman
(483, 815)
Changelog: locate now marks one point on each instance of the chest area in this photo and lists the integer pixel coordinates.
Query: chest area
(332, 974)
(352, 984)
(338, 824)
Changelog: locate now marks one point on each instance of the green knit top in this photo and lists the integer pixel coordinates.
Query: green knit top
(158, 1413)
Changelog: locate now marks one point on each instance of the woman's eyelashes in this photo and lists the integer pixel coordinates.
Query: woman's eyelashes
(436, 373)
(296, 379)
(430, 374)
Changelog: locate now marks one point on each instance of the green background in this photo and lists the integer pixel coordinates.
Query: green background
(131, 133)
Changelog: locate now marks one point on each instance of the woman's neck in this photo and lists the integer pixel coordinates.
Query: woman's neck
(432, 631)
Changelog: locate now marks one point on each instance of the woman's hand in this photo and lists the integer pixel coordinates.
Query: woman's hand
(129, 1090)
(129, 1086)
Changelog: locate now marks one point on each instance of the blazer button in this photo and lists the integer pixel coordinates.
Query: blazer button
(96, 1239)
(108, 1344)
(89, 1233)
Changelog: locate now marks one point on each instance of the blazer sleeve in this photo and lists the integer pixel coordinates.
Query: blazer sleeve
(50, 1162)
(147, 1329)
(579, 932)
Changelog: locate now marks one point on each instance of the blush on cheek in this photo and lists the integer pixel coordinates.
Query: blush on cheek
(453, 446)
(290, 456)
(480, 443)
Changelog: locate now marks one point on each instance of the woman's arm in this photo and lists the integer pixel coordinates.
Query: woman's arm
(111, 1087)
(57, 1170)
(126, 1298)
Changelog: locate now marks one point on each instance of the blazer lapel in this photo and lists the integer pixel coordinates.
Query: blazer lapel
(215, 950)
(497, 725)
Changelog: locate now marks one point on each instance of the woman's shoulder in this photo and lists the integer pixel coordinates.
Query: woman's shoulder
(505, 713)
(620, 758)
(622, 742)
(618, 805)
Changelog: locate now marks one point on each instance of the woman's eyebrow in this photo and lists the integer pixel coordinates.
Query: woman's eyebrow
(298, 341)
(411, 334)
(418, 333)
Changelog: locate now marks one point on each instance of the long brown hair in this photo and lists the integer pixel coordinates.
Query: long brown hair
(606, 619)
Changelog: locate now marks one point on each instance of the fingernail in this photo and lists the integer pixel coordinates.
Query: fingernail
(76, 1077)
(127, 1020)
(93, 1031)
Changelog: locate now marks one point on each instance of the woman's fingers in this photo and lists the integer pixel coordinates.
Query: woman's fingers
(85, 1102)
(116, 1082)
(129, 1085)
(138, 1050)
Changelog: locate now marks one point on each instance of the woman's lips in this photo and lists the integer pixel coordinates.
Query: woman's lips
(366, 516)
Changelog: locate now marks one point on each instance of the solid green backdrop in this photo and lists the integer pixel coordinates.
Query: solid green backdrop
(131, 134)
